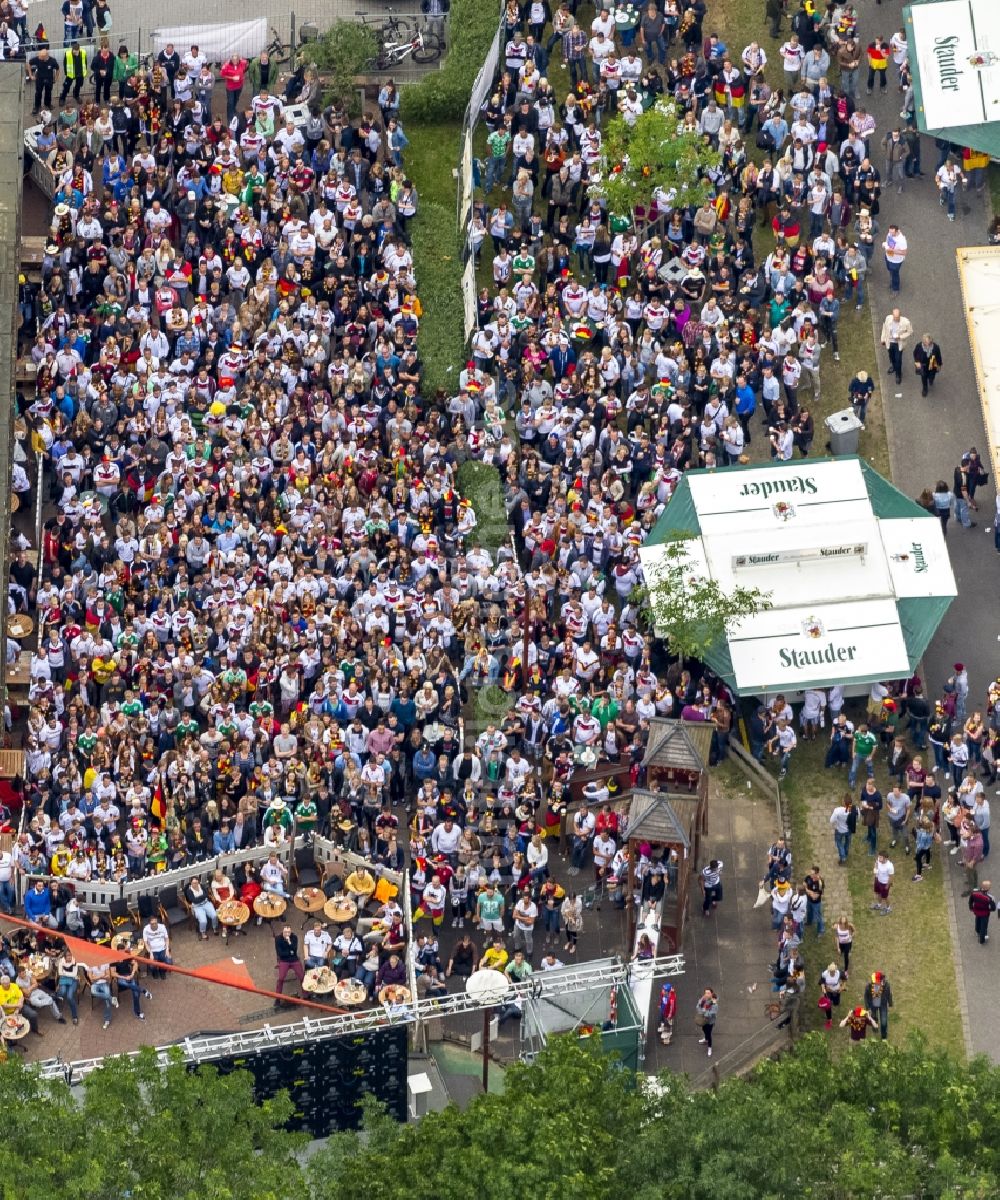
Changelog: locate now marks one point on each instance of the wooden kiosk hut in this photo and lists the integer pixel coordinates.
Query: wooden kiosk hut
(670, 814)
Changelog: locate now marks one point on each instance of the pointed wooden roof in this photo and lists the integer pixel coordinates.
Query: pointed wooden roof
(686, 744)
(653, 817)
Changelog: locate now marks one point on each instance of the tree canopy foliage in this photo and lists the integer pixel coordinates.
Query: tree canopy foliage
(138, 1131)
(692, 611)
(653, 158)
(828, 1121)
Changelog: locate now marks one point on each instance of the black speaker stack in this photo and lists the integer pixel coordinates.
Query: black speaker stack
(326, 1080)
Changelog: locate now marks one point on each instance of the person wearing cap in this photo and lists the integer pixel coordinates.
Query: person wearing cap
(781, 899)
(878, 1001)
(859, 1019)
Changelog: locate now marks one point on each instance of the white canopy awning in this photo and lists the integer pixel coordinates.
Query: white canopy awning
(808, 534)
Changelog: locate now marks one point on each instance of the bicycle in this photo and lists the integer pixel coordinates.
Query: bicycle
(392, 53)
(391, 28)
(432, 48)
(278, 51)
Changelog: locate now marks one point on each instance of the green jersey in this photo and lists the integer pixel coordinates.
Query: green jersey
(864, 743)
(499, 143)
(490, 908)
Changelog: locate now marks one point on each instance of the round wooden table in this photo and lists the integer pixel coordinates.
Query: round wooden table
(13, 1028)
(350, 992)
(233, 913)
(394, 993)
(20, 626)
(15, 502)
(309, 900)
(321, 981)
(269, 907)
(341, 909)
(40, 967)
(123, 941)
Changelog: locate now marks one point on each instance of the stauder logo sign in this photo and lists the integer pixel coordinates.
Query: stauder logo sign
(798, 485)
(816, 658)
(946, 54)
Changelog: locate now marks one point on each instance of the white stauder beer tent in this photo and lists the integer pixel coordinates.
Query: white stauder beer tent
(955, 61)
(858, 574)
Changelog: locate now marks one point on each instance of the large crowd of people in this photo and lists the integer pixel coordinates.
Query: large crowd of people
(262, 602)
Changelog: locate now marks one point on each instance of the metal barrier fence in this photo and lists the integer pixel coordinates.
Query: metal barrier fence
(328, 854)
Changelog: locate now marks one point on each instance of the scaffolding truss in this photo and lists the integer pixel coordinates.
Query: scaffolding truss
(564, 982)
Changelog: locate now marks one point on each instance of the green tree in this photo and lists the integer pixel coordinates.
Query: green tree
(825, 1122)
(555, 1133)
(652, 158)
(343, 53)
(144, 1132)
(692, 611)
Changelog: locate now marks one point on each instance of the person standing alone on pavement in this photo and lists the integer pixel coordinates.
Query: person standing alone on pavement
(981, 905)
(706, 1014)
(927, 360)
(896, 152)
(43, 69)
(74, 71)
(711, 886)
(878, 64)
(286, 947)
(896, 332)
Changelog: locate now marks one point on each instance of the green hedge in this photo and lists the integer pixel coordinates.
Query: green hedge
(443, 95)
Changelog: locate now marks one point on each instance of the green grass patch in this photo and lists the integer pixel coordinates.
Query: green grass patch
(438, 268)
(912, 945)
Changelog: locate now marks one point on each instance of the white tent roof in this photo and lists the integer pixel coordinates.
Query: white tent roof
(957, 49)
(806, 533)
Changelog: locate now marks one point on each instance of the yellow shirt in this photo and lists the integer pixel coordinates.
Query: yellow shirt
(496, 960)
(360, 881)
(103, 668)
(11, 998)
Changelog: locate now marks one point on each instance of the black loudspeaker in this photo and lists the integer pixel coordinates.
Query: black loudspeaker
(326, 1080)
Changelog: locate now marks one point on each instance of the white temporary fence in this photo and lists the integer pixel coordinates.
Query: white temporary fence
(93, 896)
(469, 297)
(328, 855)
(480, 91)
(98, 896)
(219, 41)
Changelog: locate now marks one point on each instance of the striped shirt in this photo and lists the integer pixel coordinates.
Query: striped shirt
(710, 875)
